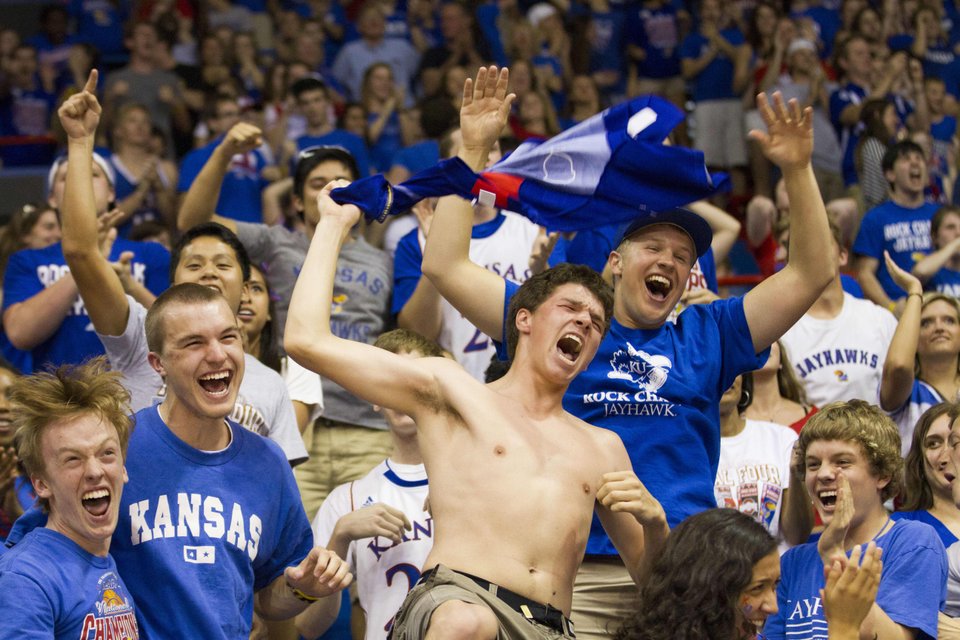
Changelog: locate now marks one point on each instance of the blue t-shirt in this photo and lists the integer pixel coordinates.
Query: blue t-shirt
(946, 536)
(850, 285)
(51, 588)
(840, 99)
(659, 390)
(242, 185)
(715, 81)
(657, 32)
(100, 23)
(200, 532)
(945, 281)
(912, 585)
(149, 209)
(419, 156)
(30, 271)
(387, 145)
(606, 43)
(903, 232)
(340, 138)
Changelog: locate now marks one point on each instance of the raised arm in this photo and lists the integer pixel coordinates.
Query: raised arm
(726, 228)
(471, 289)
(789, 145)
(200, 201)
(373, 374)
(930, 264)
(99, 285)
(421, 312)
(896, 382)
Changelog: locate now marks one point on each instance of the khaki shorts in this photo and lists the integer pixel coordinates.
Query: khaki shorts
(720, 133)
(443, 585)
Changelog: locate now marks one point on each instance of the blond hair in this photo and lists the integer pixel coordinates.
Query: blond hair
(68, 391)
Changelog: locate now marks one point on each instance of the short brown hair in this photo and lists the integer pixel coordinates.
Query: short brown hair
(860, 422)
(43, 399)
(184, 293)
(541, 286)
(406, 341)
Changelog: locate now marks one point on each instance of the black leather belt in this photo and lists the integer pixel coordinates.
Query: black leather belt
(529, 609)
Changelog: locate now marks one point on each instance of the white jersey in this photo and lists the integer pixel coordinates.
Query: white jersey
(506, 252)
(841, 358)
(754, 471)
(384, 571)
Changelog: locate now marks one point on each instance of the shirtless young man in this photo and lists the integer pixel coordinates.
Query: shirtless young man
(654, 383)
(510, 470)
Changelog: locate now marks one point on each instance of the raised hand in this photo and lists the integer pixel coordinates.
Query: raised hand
(833, 539)
(623, 491)
(485, 107)
(80, 114)
(851, 588)
(320, 574)
(377, 519)
(347, 214)
(241, 138)
(788, 141)
(903, 279)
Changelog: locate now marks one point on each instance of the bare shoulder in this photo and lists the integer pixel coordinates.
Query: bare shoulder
(605, 439)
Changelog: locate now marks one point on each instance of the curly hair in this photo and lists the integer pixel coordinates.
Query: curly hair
(917, 495)
(708, 559)
(864, 424)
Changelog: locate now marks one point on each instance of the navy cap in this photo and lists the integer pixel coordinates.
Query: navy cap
(692, 224)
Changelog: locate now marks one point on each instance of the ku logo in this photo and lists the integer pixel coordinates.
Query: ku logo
(841, 376)
(649, 372)
(338, 302)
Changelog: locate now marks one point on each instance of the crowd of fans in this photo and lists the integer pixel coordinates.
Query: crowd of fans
(219, 124)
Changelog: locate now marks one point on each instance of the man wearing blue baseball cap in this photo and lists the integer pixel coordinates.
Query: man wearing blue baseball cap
(656, 384)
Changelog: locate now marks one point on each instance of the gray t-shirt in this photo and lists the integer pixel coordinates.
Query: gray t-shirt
(361, 300)
(263, 404)
(144, 88)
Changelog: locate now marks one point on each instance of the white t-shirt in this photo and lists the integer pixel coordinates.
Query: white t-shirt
(754, 471)
(384, 571)
(506, 252)
(303, 385)
(841, 358)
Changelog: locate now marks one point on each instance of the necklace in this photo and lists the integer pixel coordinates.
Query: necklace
(882, 529)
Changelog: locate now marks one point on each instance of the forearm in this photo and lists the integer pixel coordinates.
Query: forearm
(308, 319)
(872, 288)
(277, 601)
(140, 293)
(879, 626)
(931, 264)
(796, 517)
(33, 321)
(133, 201)
(691, 67)
(200, 201)
(809, 233)
(314, 621)
(422, 311)
(726, 228)
(896, 381)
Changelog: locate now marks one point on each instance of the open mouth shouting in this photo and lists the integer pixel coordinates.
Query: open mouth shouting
(570, 346)
(828, 498)
(216, 384)
(96, 502)
(658, 286)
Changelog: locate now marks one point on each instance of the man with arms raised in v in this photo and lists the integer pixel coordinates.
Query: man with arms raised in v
(655, 384)
(514, 477)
